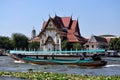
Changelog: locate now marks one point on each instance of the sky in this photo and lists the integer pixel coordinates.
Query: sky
(96, 17)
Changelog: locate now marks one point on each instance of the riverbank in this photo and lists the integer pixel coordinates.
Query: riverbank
(55, 76)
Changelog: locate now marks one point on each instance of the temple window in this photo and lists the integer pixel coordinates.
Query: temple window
(42, 41)
(58, 41)
(87, 46)
(92, 46)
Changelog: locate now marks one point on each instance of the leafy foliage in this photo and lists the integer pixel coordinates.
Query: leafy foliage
(6, 43)
(20, 41)
(114, 44)
(34, 45)
(77, 46)
(66, 45)
(56, 76)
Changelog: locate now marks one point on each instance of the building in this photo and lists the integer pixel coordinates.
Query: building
(34, 38)
(56, 30)
(96, 42)
(108, 37)
(33, 34)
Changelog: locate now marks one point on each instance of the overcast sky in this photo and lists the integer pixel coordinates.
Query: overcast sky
(95, 16)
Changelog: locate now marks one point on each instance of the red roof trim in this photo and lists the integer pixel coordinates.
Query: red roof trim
(72, 38)
(74, 24)
(44, 25)
(66, 21)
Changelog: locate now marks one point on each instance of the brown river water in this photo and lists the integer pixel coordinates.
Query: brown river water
(8, 64)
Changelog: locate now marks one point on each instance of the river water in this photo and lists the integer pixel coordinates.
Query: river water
(8, 64)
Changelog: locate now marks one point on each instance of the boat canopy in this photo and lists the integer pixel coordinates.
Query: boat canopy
(54, 52)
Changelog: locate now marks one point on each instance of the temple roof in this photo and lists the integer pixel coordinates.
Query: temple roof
(66, 26)
(66, 21)
(100, 39)
(97, 40)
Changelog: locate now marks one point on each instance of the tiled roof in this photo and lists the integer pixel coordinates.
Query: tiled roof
(70, 31)
(67, 27)
(108, 35)
(44, 24)
(108, 39)
(72, 27)
(66, 21)
(91, 43)
(36, 39)
(100, 39)
(72, 38)
(74, 24)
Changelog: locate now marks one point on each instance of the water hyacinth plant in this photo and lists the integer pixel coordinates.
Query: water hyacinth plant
(56, 76)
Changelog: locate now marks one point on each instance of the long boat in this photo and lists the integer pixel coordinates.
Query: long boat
(87, 62)
(58, 57)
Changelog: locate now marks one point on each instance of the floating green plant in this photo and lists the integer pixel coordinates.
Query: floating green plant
(56, 76)
(30, 70)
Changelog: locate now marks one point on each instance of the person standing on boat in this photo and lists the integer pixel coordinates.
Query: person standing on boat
(96, 57)
(82, 57)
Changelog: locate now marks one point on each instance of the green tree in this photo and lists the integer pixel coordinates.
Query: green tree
(6, 43)
(34, 45)
(118, 44)
(77, 46)
(20, 41)
(65, 45)
(114, 44)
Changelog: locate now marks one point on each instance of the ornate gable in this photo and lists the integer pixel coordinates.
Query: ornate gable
(97, 39)
(51, 26)
(92, 39)
(49, 40)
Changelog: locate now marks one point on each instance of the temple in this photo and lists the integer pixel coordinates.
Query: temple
(58, 29)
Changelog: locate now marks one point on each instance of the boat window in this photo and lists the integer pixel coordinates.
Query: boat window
(49, 49)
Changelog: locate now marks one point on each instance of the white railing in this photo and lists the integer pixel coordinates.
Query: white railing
(53, 52)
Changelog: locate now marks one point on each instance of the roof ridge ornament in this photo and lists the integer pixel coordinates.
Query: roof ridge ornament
(33, 27)
(78, 18)
(49, 16)
(55, 14)
(71, 15)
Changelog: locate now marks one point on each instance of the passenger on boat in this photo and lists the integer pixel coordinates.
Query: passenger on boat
(96, 57)
(82, 57)
(45, 57)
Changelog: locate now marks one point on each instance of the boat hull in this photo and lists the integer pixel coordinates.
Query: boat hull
(39, 61)
(16, 57)
(93, 64)
(66, 62)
